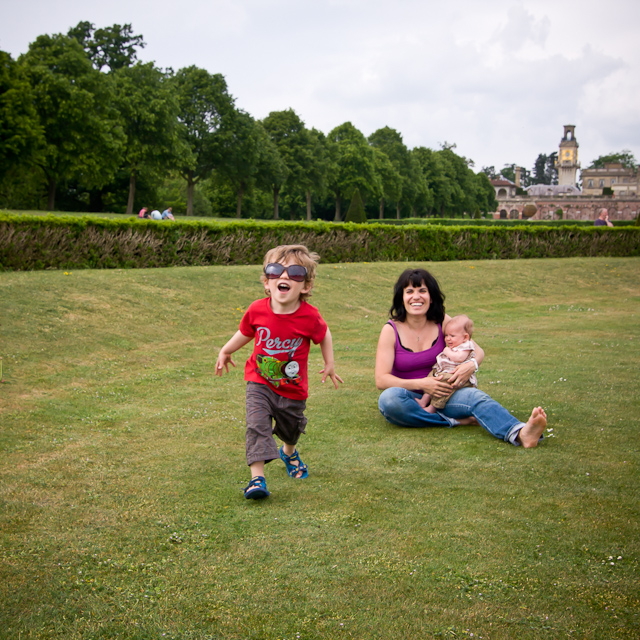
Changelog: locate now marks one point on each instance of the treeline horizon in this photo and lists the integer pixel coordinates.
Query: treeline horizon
(86, 126)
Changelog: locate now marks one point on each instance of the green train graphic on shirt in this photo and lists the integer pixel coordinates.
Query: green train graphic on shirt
(276, 371)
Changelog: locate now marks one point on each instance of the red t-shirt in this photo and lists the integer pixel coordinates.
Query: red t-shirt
(281, 347)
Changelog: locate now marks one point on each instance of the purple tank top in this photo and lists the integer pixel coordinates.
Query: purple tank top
(409, 365)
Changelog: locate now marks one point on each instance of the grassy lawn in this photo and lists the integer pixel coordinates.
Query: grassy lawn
(76, 214)
(122, 465)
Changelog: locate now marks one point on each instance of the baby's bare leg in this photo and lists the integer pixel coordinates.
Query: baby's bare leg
(424, 400)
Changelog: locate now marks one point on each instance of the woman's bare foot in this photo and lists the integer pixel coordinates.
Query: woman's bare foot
(530, 434)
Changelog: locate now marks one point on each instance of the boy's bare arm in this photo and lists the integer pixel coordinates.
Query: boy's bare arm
(326, 346)
(224, 357)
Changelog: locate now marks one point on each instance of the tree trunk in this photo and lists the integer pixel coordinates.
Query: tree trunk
(381, 208)
(337, 216)
(132, 192)
(190, 189)
(276, 203)
(398, 211)
(239, 207)
(308, 204)
(51, 196)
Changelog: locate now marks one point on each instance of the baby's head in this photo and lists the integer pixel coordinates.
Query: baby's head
(459, 329)
(288, 254)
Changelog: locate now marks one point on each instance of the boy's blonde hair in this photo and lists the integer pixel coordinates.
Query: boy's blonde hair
(464, 321)
(299, 254)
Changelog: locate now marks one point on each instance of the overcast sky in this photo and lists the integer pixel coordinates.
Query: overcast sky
(498, 78)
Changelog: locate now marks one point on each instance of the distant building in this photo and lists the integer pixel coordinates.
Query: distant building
(565, 201)
(622, 181)
(567, 163)
(504, 188)
(553, 190)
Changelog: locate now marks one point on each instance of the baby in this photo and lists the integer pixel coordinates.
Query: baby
(459, 349)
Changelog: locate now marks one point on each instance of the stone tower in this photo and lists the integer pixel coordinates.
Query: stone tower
(567, 163)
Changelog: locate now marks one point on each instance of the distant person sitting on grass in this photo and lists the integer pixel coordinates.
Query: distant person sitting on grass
(283, 324)
(144, 213)
(460, 348)
(603, 219)
(156, 215)
(167, 215)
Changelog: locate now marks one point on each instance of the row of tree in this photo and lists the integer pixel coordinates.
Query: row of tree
(84, 124)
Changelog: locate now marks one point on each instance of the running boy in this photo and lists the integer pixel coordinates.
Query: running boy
(283, 324)
(460, 348)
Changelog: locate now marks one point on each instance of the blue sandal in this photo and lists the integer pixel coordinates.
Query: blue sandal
(257, 488)
(293, 469)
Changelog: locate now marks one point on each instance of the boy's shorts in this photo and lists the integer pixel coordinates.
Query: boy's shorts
(267, 414)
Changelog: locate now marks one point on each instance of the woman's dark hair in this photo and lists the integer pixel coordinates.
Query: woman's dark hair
(416, 278)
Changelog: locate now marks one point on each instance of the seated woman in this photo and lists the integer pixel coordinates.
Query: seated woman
(407, 350)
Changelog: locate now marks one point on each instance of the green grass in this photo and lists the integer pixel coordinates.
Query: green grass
(122, 465)
(39, 212)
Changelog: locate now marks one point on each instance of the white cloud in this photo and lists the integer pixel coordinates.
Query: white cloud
(522, 28)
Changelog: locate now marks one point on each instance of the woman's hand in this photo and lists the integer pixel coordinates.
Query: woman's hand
(436, 387)
(462, 374)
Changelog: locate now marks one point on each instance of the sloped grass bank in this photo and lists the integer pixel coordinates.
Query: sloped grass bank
(122, 464)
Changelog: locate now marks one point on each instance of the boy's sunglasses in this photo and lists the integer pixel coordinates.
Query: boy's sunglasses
(295, 271)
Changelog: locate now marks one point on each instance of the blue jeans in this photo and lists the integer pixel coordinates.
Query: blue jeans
(399, 407)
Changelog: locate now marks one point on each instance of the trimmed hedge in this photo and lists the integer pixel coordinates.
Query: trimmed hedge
(64, 242)
(490, 222)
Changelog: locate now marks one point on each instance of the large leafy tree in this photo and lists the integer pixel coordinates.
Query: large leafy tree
(20, 130)
(272, 171)
(509, 172)
(148, 112)
(390, 180)
(290, 136)
(433, 170)
(459, 175)
(624, 157)
(390, 141)
(486, 194)
(113, 47)
(490, 172)
(352, 165)
(203, 103)
(314, 166)
(74, 103)
(545, 170)
(303, 152)
(242, 137)
(416, 191)
(539, 175)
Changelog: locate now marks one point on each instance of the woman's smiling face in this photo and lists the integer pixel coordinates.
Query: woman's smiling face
(416, 300)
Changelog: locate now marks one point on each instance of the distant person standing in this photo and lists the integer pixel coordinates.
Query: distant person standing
(603, 219)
